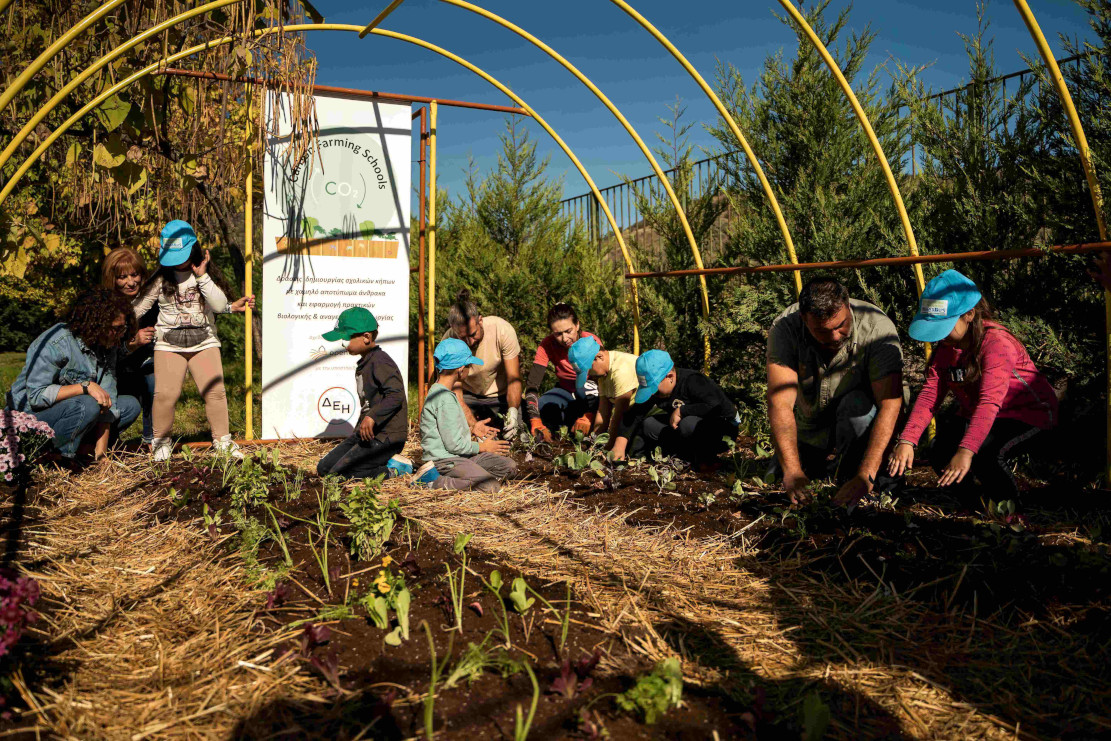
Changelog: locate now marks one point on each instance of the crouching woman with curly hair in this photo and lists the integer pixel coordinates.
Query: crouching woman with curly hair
(69, 377)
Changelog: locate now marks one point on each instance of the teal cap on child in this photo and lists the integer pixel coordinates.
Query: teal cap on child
(178, 239)
(451, 354)
(943, 301)
(353, 321)
(581, 356)
(652, 366)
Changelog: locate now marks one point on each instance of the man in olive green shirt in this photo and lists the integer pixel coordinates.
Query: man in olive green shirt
(834, 389)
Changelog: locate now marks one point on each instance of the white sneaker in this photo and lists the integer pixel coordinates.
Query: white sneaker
(161, 448)
(226, 445)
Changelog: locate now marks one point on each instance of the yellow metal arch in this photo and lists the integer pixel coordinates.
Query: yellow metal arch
(627, 126)
(1093, 185)
(864, 122)
(96, 66)
(724, 113)
(51, 51)
(123, 84)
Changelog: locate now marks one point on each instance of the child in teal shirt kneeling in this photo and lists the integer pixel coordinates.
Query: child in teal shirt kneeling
(463, 463)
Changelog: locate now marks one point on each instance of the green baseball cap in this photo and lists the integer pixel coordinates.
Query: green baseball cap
(351, 322)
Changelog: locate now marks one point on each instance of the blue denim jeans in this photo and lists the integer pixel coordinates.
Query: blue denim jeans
(74, 418)
(140, 384)
(560, 407)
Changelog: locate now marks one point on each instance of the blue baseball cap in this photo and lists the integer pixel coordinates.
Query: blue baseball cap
(451, 354)
(178, 239)
(652, 366)
(943, 301)
(581, 356)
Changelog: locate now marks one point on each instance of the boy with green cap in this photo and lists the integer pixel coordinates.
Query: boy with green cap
(697, 413)
(372, 450)
(462, 463)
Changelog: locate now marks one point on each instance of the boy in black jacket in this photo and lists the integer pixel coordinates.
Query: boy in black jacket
(372, 450)
(697, 415)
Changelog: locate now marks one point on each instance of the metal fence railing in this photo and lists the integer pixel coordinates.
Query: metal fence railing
(584, 212)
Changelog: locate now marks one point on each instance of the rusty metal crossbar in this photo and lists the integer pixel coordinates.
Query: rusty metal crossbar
(1081, 248)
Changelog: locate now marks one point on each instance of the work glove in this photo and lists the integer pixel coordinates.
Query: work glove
(512, 423)
(539, 431)
(583, 424)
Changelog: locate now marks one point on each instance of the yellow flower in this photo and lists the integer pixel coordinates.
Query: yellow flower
(383, 587)
(387, 561)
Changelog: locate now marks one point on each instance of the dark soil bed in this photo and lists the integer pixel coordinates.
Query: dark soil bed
(1051, 552)
(383, 684)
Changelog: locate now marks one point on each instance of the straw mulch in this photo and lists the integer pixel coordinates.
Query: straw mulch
(151, 625)
(164, 641)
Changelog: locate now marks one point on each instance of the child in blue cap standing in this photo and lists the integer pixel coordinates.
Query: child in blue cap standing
(185, 336)
(1003, 399)
(462, 463)
(697, 413)
(374, 448)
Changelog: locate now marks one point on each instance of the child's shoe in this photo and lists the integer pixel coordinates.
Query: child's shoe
(399, 465)
(226, 445)
(161, 448)
(427, 473)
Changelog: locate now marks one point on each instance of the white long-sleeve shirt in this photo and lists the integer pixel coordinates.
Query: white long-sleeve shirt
(195, 303)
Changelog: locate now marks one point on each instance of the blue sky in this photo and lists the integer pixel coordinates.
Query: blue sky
(629, 66)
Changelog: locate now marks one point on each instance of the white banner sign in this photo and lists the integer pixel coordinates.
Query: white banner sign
(336, 235)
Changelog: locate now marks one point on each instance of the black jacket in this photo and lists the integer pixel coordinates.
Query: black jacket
(382, 396)
(694, 394)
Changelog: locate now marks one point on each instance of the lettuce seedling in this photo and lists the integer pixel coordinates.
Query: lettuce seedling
(655, 693)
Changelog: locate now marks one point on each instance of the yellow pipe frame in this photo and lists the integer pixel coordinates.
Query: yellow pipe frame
(430, 226)
(96, 66)
(1093, 186)
(724, 113)
(378, 19)
(867, 125)
(51, 51)
(249, 260)
(627, 126)
(34, 156)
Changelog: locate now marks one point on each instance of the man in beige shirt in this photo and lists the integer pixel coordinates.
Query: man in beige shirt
(835, 389)
(494, 388)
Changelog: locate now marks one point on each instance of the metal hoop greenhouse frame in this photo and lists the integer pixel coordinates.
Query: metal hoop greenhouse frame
(429, 131)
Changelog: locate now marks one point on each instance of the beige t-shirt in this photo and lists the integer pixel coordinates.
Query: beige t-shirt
(621, 378)
(499, 343)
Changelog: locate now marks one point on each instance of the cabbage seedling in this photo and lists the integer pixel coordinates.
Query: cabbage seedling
(518, 595)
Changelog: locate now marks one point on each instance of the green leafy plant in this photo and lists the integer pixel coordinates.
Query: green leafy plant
(815, 717)
(655, 693)
(494, 584)
(518, 595)
(477, 659)
(663, 477)
(522, 725)
(457, 588)
(372, 522)
(437, 670)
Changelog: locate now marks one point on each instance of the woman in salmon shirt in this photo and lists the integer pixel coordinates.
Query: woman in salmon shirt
(1003, 399)
(562, 406)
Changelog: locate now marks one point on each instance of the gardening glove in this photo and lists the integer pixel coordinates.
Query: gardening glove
(539, 431)
(512, 423)
(583, 424)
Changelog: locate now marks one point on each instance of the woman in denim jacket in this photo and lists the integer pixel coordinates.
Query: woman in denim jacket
(69, 377)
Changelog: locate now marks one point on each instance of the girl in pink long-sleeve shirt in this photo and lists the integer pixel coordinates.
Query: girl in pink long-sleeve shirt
(1003, 400)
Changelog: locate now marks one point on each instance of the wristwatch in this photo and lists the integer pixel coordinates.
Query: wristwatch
(84, 387)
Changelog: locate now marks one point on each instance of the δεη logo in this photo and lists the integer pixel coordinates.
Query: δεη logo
(337, 405)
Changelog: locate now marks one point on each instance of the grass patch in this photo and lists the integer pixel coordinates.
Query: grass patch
(190, 422)
(11, 363)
